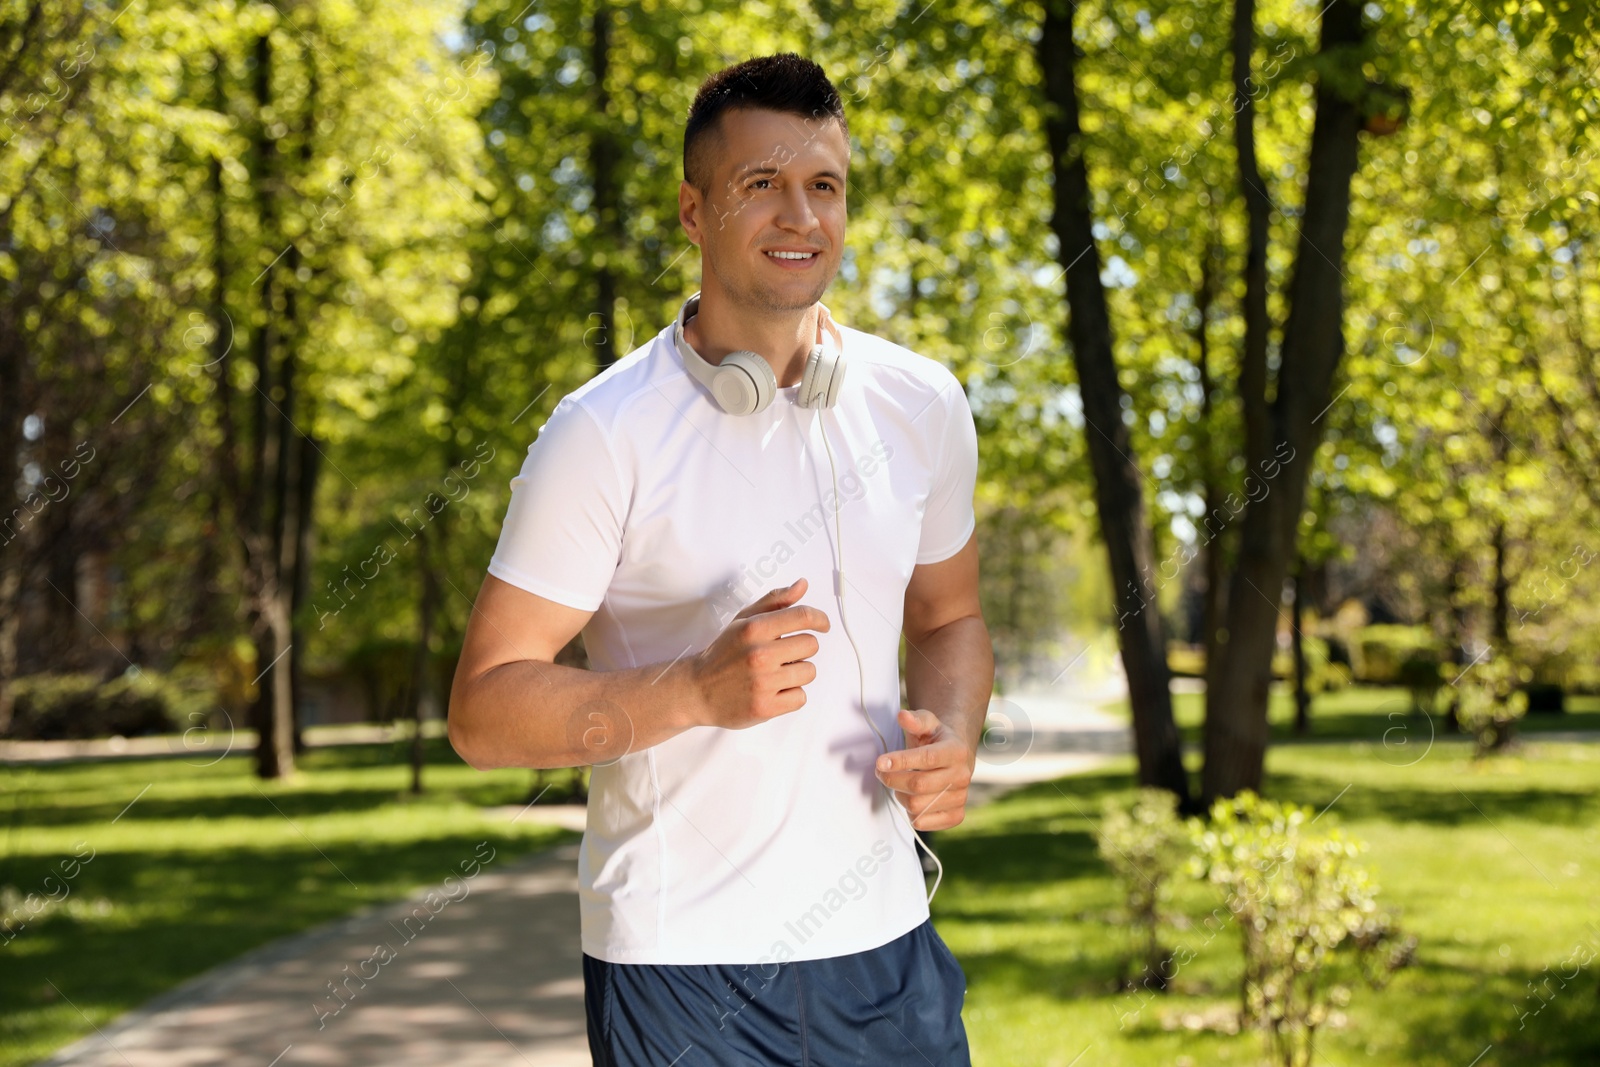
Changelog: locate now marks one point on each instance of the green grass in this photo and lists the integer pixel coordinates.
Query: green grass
(210, 862)
(1369, 713)
(1493, 864)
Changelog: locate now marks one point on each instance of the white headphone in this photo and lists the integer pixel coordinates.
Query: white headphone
(743, 383)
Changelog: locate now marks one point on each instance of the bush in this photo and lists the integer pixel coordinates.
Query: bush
(1377, 652)
(1297, 895)
(1323, 671)
(1492, 701)
(1184, 661)
(51, 707)
(1422, 673)
(1146, 845)
(1550, 673)
(1545, 699)
(1339, 677)
(1583, 678)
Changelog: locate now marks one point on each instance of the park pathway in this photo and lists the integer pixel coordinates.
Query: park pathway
(493, 979)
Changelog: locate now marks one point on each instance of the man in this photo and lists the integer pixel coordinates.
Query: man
(748, 892)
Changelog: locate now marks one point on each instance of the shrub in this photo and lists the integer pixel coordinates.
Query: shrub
(1297, 894)
(1146, 846)
(1185, 661)
(1422, 673)
(1376, 652)
(1322, 673)
(1550, 673)
(1584, 678)
(1492, 701)
(75, 706)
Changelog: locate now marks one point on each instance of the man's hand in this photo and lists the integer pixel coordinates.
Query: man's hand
(757, 667)
(930, 776)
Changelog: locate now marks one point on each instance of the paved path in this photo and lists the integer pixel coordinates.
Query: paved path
(491, 978)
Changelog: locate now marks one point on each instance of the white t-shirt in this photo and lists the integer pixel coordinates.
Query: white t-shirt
(643, 501)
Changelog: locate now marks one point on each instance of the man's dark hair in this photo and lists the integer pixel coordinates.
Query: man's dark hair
(784, 82)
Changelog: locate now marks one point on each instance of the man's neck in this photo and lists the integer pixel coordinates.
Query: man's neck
(783, 340)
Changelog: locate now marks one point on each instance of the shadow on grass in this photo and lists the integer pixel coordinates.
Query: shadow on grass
(1443, 807)
(295, 803)
(1017, 857)
(1373, 725)
(333, 780)
(1455, 1014)
(1009, 972)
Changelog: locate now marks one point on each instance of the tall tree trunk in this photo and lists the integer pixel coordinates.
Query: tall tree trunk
(1016, 577)
(68, 623)
(1455, 585)
(1211, 491)
(1500, 623)
(269, 493)
(306, 466)
(1257, 325)
(1302, 693)
(228, 493)
(300, 584)
(275, 752)
(919, 244)
(11, 416)
(203, 617)
(421, 661)
(1258, 212)
(1313, 343)
(603, 156)
(1119, 490)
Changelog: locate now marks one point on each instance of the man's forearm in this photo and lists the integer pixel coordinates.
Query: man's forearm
(538, 714)
(950, 672)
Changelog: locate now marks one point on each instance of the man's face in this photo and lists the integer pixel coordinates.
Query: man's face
(777, 183)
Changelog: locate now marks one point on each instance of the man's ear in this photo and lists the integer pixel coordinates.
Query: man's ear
(690, 206)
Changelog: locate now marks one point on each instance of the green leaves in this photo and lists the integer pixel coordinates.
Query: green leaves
(1296, 894)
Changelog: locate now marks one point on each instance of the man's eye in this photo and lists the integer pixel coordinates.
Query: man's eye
(760, 181)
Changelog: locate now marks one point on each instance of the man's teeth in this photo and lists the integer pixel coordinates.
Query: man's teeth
(791, 255)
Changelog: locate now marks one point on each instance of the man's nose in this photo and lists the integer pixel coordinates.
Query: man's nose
(796, 213)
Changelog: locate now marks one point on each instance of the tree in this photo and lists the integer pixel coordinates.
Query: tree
(238, 238)
(1117, 478)
(1282, 432)
(354, 216)
(89, 328)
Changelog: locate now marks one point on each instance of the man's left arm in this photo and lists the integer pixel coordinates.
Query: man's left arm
(949, 678)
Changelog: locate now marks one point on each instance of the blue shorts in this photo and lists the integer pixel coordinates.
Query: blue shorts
(897, 1004)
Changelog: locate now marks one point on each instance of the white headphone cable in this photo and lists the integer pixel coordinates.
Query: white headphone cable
(838, 582)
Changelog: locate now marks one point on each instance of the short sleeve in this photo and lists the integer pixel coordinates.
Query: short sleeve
(949, 519)
(562, 537)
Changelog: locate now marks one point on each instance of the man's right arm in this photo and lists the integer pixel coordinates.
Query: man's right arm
(511, 705)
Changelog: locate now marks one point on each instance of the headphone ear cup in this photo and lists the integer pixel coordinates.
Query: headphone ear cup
(824, 374)
(744, 383)
(809, 378)
(835, 381)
